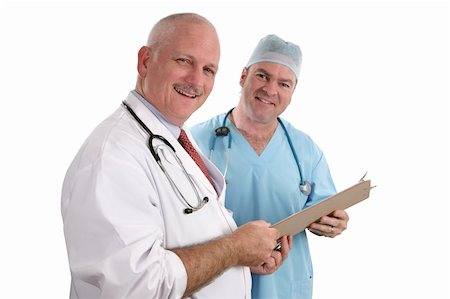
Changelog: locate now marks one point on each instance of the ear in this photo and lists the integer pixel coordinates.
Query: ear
(243, 76)
(144, 58)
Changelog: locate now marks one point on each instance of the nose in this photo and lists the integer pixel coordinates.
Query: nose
(270, 88)
(194, 76)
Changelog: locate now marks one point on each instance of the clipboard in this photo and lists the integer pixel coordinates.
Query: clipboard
(297, 222)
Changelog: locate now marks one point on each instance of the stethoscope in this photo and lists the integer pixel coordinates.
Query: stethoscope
(223, 131)
(153, 149)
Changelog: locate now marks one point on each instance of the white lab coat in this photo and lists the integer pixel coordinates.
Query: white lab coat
(121, 215)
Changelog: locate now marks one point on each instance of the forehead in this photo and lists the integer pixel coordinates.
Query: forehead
(198, 40)
(273, 69)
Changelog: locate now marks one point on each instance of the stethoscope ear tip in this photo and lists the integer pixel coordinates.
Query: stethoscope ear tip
(191, 210)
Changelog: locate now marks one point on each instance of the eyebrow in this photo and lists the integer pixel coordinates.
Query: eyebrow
(210, 65)
(261, 70)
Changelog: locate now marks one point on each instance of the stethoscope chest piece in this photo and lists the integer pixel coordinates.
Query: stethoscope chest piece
(305, 188)
(222, 131)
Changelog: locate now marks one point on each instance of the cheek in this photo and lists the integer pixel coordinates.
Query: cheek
(248, 90)
(208, 86)
(288, 99)
(285, 98)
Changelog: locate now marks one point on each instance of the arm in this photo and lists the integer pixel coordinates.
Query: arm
(250, 245)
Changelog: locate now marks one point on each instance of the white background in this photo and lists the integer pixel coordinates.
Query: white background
(373, 93)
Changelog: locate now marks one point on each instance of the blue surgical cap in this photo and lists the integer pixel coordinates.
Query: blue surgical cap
(274, 49)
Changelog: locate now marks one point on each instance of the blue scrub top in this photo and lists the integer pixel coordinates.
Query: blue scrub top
(267, 187)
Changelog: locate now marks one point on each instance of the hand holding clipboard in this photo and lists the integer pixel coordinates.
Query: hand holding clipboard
(297, 222)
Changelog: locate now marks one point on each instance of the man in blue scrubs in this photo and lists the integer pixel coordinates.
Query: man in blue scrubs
(257, 157)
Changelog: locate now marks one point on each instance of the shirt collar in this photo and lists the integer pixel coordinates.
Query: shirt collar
(173, 129)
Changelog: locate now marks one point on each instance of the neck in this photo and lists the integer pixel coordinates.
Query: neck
(256, 133)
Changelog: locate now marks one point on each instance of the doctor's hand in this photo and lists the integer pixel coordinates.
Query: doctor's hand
(276, 258)
(330, 226)
(254, 242)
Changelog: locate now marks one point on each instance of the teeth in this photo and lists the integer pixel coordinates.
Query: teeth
(185, 93)
(264, 101)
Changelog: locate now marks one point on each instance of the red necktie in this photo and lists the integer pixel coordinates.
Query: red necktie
(187, 145)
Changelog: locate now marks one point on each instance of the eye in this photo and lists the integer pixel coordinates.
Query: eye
(285, 85)
(209, 71)
(262, 76)
(183, 60)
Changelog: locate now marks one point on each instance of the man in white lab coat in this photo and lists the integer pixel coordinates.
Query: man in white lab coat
(138, 222)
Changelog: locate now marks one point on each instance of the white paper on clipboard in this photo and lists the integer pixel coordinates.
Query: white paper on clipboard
(297, 222)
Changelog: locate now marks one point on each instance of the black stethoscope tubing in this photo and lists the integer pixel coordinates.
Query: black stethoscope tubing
(190, 208)
(150, 134)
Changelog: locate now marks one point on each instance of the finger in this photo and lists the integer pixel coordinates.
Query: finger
(340, 214)
(339, 224)
(277, 259)
(320, 227)
(290, 240)
(271, 262)
(316, 232)
(325, 230)
(284, 242)
(285, 247)
(326, 221)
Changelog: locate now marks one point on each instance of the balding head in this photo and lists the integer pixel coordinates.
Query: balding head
(166, 27)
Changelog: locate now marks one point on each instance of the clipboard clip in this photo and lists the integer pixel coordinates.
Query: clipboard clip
(362, 180)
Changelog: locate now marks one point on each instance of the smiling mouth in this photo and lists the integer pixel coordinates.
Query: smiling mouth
(264, 101)
(182, 92)
(187, 91)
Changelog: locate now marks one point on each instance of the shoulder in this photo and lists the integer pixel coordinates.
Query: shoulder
(207, 127)
(116, 136)
(295, 133)
(301, 140)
